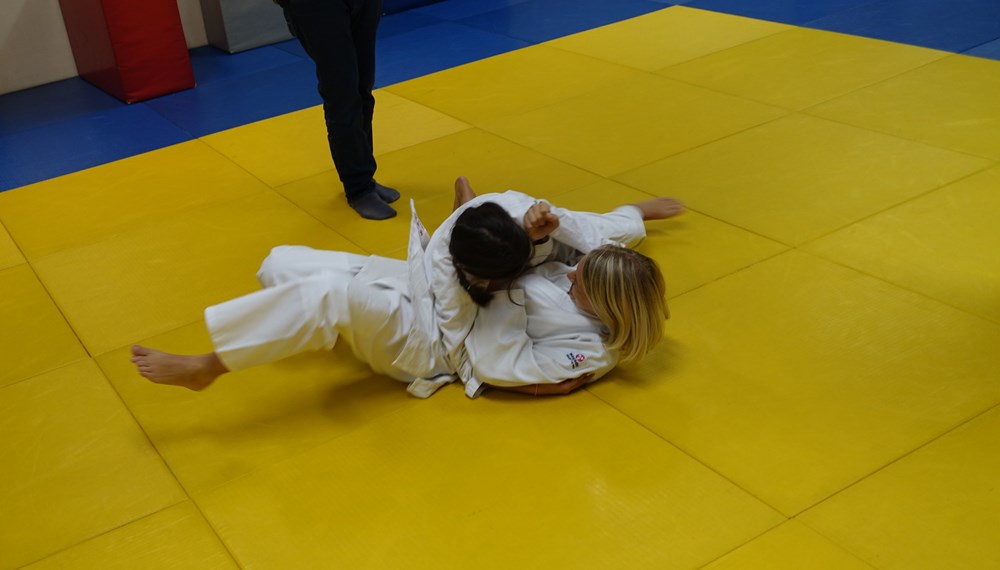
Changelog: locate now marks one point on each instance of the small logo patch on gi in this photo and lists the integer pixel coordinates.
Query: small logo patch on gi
(575, 359)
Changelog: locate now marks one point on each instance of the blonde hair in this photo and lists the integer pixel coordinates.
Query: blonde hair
(626, 290)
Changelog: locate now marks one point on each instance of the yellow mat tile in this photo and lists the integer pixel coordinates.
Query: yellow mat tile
(603, 195)
(943, 244)
(799, 177)
(176, 537)
(426, 173)
(492, 164)
(511, 83)
(450, 483)
(400, 123)
(323, 198)
(253, 418)
(104, 201)
(950, 103)
(10, 255)
(936, 508)
(159, 277)
(633, 123)
(280, 149)
(667, 37)
(801, 67)
(294, 146)
(796, 377)
(34, 336)
(694, 249)
(691, 249)
(75, 464)
(791, 546)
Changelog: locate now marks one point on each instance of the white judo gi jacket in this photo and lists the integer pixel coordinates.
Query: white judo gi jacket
(536, 334)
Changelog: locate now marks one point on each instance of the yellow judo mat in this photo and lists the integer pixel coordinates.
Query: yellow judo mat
(826, 396)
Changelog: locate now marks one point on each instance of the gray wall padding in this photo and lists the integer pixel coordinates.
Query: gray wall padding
(238, 25)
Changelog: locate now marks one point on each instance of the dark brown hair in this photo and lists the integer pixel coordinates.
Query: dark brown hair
(487, 243)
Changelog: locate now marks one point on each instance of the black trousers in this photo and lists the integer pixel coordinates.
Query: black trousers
(339, 36)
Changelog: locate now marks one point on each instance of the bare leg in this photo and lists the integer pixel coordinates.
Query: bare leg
(660, 208)
(463, 192)
(194, 372)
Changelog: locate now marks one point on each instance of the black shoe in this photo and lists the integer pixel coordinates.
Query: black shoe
(371, 207)
(388, 195)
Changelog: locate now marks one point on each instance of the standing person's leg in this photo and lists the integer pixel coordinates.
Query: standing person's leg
(364, 29)
(325, 28)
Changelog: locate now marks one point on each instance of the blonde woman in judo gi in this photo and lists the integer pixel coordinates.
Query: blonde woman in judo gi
(385, 309)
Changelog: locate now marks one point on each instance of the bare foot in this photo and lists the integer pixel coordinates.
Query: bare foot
(463, 192)
(660, 208)
(194, 372)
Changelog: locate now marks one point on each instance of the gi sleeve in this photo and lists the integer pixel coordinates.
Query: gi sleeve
(585, 231)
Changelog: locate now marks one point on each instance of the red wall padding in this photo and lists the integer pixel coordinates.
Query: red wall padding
(133, 49)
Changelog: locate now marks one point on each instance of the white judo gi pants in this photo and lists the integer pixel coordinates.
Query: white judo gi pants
(310, 299)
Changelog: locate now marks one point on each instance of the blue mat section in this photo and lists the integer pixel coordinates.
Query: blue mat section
(795, 12)
(955, 26)
(52, 103)
(437, 47)
(393, 6)
(82, 142)
(459, 9)
(211, 64)
(228, 103)
(403, 22)
(538, 21)
(990, 50)
(69, 125)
